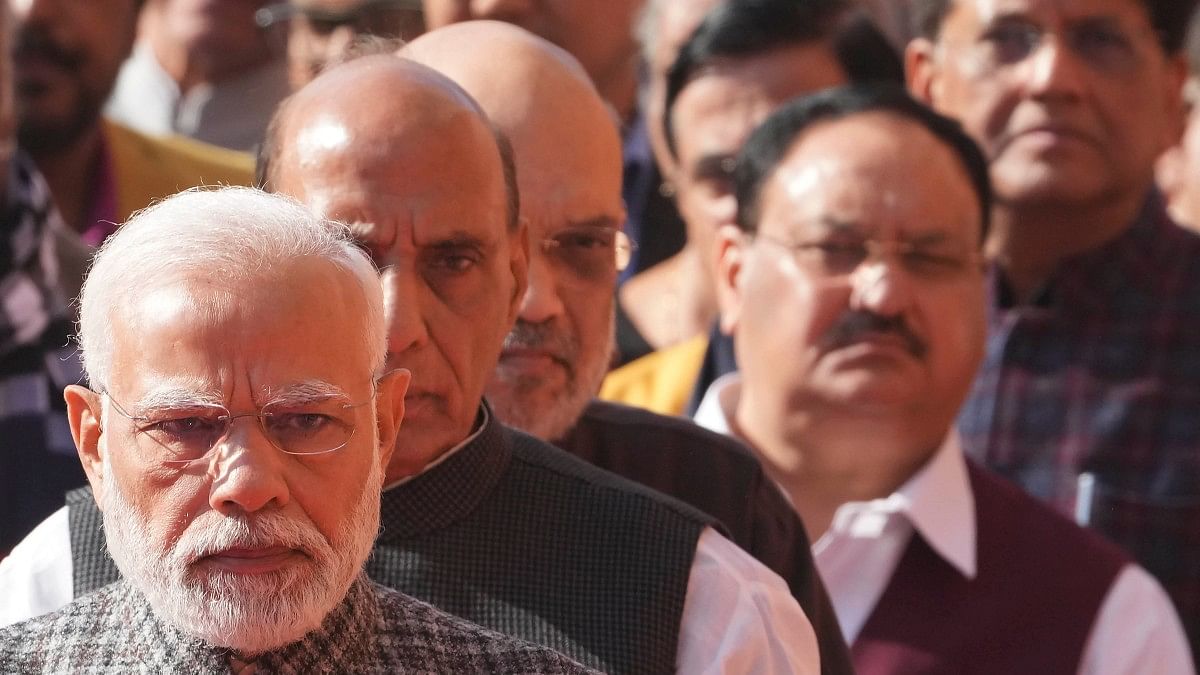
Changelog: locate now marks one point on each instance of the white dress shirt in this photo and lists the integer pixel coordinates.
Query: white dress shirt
(1136, 629)
(738, 616)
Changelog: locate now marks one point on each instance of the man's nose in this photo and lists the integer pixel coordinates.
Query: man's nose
(881, 285)
(541, 302)
(247, 471)
(1054, 70)
(402, 306)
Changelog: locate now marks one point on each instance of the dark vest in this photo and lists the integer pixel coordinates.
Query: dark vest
(718, 475)
(518, 536)
(1040, 583)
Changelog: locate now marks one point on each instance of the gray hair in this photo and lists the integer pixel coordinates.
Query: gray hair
(646, 28)
(230, 232)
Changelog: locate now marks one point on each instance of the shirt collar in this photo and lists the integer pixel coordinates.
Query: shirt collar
(481, 421)
(937, 499)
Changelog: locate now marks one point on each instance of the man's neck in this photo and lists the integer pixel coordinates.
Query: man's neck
(1029, 242)
(620, 90)
(71, 175)
(824, 460)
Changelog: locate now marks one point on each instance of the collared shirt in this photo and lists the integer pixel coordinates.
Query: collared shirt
(1100, 376)
(738, 616)
(1136, 629)
(232, 114)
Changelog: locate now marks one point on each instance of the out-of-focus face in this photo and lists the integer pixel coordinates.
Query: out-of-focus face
(569, 172)
(1071, 100)
(715, 113)
(1179, 170)
(597, 32)
(231, 538)
(862, 291)
(322, 30)
(677, 20)
(66, 58)
(424, 193)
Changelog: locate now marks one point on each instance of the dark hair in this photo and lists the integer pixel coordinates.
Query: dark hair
(775, 137)
(746, 28)
(267, 157)
(1169, 18)
(1193, 43)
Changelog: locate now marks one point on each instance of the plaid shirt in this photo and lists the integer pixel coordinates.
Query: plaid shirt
(37, 359)
(1101, 376)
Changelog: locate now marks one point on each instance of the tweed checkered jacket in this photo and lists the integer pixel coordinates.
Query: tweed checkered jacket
(374, 630)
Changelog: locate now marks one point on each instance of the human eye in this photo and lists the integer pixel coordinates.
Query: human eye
(1011, 41)
(309, 430)
(453, 259)
(1102, 43)
(932, 262)
(838, 257)
(184, 432)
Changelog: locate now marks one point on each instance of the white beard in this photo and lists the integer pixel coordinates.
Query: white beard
(250, 614)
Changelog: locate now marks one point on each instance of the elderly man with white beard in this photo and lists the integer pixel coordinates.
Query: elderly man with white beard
(235, 441)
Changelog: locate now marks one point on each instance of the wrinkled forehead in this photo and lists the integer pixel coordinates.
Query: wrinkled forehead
(296, 323)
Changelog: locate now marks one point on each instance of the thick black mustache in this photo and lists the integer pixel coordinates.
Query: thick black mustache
(855, 324)
(36, 43)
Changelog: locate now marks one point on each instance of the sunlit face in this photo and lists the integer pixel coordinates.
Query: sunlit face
(323, 30)
(66, 58)
(428, 202)
(1179, 175)
(246, 546)
(597, 32)
(1071, 100)
(676, 21)
(715, 113)
(821, 331)
(569, 173)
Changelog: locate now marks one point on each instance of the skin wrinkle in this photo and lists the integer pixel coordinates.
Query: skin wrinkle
(567, 152)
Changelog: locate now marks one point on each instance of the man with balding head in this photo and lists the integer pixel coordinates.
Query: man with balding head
(567, 154)
(483, 521)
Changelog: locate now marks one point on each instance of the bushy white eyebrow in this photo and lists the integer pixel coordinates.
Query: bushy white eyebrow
(306, 392)
(174, 397)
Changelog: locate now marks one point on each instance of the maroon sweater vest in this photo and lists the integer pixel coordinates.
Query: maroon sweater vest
(1039, 584)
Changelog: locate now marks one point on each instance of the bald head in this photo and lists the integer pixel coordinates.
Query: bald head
(367, 110)
(411, 162)
(568, 154)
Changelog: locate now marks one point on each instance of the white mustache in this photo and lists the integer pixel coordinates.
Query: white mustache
(212, 533)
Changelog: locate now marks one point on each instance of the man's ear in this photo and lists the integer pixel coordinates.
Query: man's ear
(730, 250)
(921, 71)
(389, 411)
(518, 264)
(84, 414)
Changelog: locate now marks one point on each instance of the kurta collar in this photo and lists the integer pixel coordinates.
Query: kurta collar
(450, 488)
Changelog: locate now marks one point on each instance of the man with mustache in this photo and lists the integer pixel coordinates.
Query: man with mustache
(746, 58)
(237, 446)
(853, 284)
(1089, 387)
(478, 519)
(67, 56)
(567, 155)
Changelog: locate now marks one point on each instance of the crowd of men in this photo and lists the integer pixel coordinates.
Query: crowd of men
(624, 336)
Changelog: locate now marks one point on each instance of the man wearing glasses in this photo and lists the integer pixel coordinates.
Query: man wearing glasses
(1089, 386)
(321, 31)
(853, 284)
(236, 446)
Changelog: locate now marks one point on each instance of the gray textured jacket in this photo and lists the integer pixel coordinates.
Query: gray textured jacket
(374, 630)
